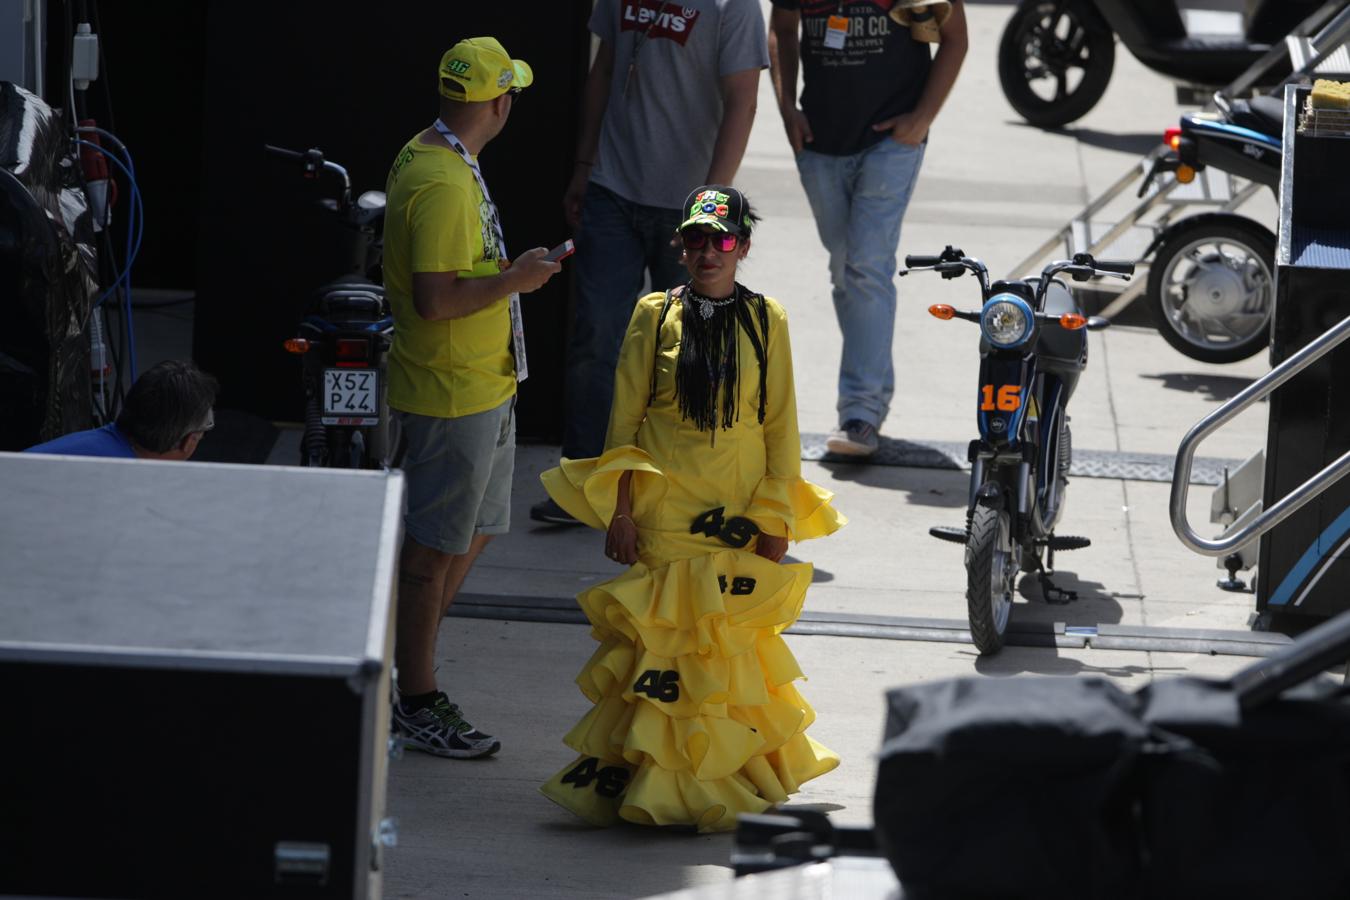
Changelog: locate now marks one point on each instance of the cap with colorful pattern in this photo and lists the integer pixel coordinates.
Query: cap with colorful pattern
(718, 205)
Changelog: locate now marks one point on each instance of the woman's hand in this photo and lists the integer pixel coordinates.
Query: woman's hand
(621, 540)
(771, 548)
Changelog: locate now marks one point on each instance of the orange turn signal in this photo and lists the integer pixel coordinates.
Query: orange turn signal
(297, 345)
(942, 311)
(1185, 174)
(1175, 142)
(1072, 321)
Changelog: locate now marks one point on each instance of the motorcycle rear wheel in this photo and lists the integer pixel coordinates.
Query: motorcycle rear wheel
(1038, 54)
(991, 569)
(1211, 287)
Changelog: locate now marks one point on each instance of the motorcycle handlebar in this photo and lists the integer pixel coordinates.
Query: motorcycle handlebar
(921, 262)
(1115, 266)
(283, 153)
(313, 164)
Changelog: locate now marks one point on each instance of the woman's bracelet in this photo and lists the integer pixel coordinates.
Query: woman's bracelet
(618, 516)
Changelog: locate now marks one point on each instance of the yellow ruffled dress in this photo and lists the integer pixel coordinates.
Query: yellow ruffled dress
(696, 718)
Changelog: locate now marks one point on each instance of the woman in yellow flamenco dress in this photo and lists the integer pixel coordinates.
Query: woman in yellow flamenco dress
(696, 717)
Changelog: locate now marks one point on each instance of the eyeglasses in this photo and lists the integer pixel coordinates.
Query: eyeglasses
(209, 423)
(695, 239)
(514, 92)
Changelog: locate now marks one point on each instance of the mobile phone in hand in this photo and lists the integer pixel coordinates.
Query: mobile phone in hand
(561, 252)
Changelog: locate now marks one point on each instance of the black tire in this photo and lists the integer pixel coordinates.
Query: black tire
(314, 448)
(343, 452)
(1032, 49)
(990, 577)
(314, 439)
(1228, 260)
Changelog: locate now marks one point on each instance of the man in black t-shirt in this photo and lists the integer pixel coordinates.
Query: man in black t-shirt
(872, 87)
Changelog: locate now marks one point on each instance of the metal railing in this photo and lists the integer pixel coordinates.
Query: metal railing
(1291, 502)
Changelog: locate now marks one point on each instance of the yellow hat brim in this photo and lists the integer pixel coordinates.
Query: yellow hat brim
(524, 74)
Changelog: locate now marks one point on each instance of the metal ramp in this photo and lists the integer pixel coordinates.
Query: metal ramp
(1316, 46)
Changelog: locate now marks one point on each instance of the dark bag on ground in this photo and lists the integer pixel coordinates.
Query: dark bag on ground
(1070, 787)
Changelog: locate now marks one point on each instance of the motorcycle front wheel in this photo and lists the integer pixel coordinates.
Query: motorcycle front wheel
(1211, 287)
(991, 570)
(1054, 68)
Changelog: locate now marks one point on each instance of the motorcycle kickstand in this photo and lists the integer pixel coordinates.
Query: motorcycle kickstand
(1056, 596)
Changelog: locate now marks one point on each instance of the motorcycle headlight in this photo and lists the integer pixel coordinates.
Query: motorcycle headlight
(1006, 321)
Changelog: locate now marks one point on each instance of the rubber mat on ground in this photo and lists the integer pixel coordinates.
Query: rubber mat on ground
(1086, 463)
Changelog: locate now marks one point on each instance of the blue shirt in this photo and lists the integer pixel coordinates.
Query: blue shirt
(105, 441)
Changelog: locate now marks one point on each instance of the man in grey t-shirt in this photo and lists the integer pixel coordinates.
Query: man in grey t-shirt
(668, 106)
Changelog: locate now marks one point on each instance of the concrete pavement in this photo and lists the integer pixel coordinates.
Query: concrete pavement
(996, 188)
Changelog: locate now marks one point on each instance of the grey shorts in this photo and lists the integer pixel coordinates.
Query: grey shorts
(458, 476)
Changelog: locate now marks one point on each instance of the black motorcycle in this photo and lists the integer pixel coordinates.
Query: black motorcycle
(1032, 350)
(1055, 57)
(1211, 285)
(345, 336)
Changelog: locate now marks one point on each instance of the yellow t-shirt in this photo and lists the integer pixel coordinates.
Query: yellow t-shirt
(437, 221)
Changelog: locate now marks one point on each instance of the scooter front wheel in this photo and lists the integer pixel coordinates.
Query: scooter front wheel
(991, 568)
(1054, 68)
(1211, 287)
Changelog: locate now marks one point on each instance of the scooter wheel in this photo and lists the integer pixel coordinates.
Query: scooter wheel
(1211, 287)
(991, 569)
(1054, 69)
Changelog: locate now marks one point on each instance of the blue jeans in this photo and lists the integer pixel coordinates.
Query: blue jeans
(859, 202)
(616, 242)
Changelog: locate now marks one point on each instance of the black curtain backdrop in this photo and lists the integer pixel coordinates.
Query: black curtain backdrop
(196, 90)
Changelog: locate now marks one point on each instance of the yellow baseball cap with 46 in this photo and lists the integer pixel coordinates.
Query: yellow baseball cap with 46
(479, 69)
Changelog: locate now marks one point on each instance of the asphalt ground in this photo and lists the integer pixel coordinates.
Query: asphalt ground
(997, 188)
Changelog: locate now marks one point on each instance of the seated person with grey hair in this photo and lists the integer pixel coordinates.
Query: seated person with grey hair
(165, 414)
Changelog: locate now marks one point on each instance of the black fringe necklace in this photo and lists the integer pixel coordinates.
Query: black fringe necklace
(709, 359)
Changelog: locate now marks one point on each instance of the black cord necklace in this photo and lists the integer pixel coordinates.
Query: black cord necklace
(708, 305)
(707, 362)
(639, 41)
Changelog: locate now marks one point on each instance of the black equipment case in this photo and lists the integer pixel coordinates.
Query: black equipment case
(195, 666)
(1072, 788)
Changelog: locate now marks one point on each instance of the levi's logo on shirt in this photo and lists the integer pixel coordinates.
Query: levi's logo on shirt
(674, 22)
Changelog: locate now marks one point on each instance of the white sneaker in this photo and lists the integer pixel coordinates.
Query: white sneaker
(854, 438)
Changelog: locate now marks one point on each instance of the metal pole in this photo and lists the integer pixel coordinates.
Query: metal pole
(1287, 505)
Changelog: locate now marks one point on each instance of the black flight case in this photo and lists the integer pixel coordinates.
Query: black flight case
(195, 666)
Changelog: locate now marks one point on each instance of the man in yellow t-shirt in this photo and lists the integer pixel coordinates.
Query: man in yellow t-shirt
(452, 375)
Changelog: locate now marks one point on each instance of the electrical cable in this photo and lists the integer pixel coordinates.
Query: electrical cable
(112, 329)
(135, 234)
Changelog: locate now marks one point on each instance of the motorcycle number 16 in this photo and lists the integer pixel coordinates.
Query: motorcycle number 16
(1007, 399)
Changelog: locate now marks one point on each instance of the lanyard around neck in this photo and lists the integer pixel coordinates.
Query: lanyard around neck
(458, 146)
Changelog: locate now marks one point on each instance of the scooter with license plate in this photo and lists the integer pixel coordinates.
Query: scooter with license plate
(1033, 349)
(1211, 284)
(344, 338)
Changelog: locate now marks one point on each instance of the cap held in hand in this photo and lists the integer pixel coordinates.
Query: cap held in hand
(923, 18)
